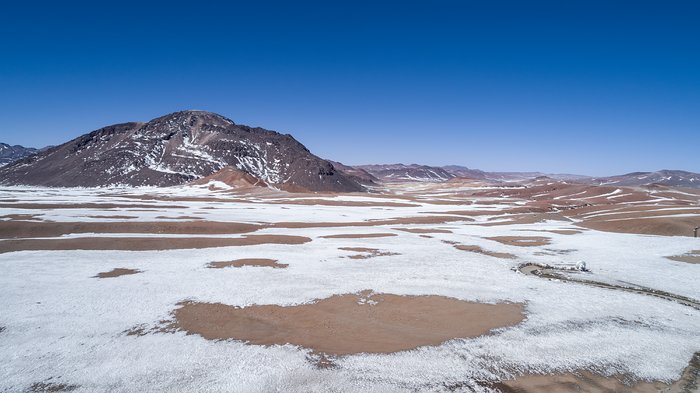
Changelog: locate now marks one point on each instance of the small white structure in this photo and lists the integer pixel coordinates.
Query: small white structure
(581, 266)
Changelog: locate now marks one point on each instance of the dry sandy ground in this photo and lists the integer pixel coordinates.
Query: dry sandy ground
(348, 324)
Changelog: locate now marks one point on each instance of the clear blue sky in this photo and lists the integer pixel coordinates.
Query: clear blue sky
(591, 87)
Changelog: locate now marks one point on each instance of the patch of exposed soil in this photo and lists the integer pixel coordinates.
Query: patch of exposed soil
(358, 235)
(576, 383)
(691, 257)
(116, 272)
(259, 262)
(97, 206)
(18, 229)
(179, 218)
(51, 387)
(423, 230)
(366, 252)
(351, 323)
(331, 202)
(427, 220)
(477, 249)
(666, 226)
(144, 243)
(557, 231)
(521, 241)
(20, 217)
(112, 217)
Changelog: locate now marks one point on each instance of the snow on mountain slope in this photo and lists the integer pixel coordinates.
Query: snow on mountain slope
(176, 149)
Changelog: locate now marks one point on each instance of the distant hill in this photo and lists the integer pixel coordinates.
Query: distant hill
(10, 153)
(176, 149)
(402, 172)
(666, 177)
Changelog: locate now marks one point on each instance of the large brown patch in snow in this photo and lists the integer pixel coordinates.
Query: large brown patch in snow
(17, 229)
(348, 324)
(144, 243)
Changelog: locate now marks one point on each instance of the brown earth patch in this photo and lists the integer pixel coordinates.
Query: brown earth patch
(331, 202)
(423, 230)
(179, 218)
(366, 252)
(477, 249)
(19, 229)
(21, 217)
(557, 231)
(259, 262)
(144, 243)
(667, 226)
(521, 241)
(691, 257)
(521, 219)
(578, 382)
(391, 221)
(358, 235)
(351, 323)
(51, 387)
(45, 206)
(564, 231)
(116, 272)
(112, 217)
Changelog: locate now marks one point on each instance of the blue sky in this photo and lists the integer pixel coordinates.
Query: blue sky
(591, 87)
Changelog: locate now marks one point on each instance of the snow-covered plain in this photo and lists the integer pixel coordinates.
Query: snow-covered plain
(60, 324)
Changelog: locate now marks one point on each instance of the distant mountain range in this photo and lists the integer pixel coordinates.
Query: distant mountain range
(10, 154)
(401, 172)
(201, 147)
(414, 172)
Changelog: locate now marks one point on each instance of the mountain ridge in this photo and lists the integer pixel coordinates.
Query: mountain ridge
(174, 149)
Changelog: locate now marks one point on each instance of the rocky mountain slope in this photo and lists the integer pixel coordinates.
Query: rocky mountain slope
(176, 149)
(9, 153)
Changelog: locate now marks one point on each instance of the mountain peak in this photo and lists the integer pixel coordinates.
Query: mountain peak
(178, 148)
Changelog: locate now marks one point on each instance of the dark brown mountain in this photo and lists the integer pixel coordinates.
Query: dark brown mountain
(176, 149)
